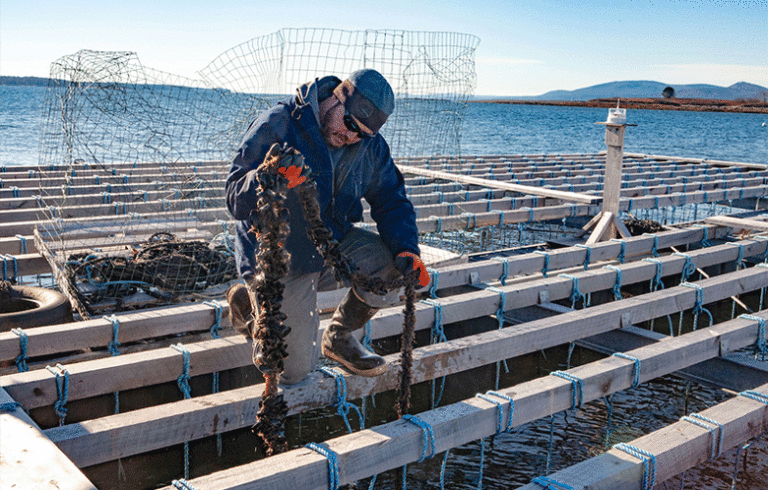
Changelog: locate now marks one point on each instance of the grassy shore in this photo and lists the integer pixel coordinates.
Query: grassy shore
(709, 105)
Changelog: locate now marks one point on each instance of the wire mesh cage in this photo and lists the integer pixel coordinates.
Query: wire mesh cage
(141, 217)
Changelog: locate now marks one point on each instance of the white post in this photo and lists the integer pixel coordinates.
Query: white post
(614, 141)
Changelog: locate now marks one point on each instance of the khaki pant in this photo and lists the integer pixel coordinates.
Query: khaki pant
(372, 258)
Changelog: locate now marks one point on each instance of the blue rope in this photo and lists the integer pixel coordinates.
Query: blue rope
(429, 436)
(500, 318)
(366, 341)
(617, 285)
(705, 240)
(588, 257)
(215, 376)
(9, 406)
(434, 279)
(545, 269)
(342, 405)
(22, 244)
(578, 387)
(609, 405)
(698, 307)
(688, 268)
(22, 358)
(761, 342)
(549, 483)
(656, 283)
(655, 247)
(504, 269)
(333, 464)
(437, 335)
(649, 463)
(702, 422)
(502, 305)
(500, 409)
(623, 249)
(636, 379)
(62, 391)
(182, 484)
(217, 317)
(740, 259)
(576, 294)
(114, 344)
(183, 380)
(471, 220)
(482, 464)
(755, 395)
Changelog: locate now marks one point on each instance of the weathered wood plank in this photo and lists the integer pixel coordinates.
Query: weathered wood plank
(164, 321)
(28, 459)
(91, 441)
(677, 447)
(537, 191)
(397, 443)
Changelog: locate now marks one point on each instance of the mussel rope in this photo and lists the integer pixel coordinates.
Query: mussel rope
(271, 228)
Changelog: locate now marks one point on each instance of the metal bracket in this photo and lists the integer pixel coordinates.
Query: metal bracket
(626, 320)
(474, 277)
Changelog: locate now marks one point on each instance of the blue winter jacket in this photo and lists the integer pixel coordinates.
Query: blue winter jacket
(365, 170)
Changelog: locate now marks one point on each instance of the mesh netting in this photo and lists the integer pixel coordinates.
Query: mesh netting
(144, 154)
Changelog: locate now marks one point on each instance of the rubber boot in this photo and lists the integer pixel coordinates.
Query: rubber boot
(340, 345)
(240, 310)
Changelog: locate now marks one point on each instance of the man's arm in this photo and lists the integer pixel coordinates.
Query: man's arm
(390, 207)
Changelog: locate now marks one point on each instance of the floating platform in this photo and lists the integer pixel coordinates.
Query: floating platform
(98, 406)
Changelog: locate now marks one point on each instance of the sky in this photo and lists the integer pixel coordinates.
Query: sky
(526, 48)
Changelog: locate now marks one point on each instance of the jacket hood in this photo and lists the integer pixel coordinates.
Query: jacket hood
(311, 93)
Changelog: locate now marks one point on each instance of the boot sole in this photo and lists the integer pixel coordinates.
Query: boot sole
(368, 373)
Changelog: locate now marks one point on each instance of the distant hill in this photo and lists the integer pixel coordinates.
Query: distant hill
(29, 81)
(649, 89)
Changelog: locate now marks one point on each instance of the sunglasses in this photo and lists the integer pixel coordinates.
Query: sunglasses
(352, 126)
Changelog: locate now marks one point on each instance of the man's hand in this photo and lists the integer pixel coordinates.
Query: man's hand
(293, 174)
(407, 262)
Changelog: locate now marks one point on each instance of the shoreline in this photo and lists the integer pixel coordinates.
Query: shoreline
(698, 105)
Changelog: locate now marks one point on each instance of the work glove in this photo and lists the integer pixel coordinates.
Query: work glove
(406, 262)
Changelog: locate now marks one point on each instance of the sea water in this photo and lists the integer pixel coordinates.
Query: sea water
(495, 129)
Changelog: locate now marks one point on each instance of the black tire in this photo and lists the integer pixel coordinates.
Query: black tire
(34, 307)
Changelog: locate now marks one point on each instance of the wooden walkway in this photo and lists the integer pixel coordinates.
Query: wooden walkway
(449, 195)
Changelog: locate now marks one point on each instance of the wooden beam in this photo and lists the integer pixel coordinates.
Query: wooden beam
(28, 459)
(395, 444)
(537, 191)
(756, 166)
(676, 447)
(739, 224)
(196, 317)
(90, 442)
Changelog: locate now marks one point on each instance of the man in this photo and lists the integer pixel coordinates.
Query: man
(335, 125)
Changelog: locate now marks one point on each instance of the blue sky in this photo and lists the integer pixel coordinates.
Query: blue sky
(526, 47)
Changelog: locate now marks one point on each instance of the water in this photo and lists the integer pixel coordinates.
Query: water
(496, 129)
(510, 460)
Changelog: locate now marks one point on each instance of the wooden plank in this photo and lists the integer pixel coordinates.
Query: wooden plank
(537, 191)
(169, 320)
(738, 224)
(90, 441)
(756, 166)
(397, 443)
(677, 447)
(28, 459)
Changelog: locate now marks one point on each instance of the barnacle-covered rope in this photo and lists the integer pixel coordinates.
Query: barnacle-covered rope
(271, 228)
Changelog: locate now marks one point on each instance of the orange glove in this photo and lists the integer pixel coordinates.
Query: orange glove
(293, 174)
(407, 262)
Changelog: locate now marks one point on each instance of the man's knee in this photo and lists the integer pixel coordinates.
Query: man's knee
(296, 372)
